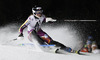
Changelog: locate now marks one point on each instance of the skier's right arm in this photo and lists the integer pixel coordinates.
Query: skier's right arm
(24, 25)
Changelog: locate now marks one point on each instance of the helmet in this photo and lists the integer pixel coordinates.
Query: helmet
(94, 42)
(37, 10)
(90, 37)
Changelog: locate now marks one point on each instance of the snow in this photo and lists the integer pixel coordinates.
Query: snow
(13, 50)
(96, 51)
(22, 53)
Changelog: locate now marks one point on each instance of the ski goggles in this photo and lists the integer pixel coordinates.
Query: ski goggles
(38, 12)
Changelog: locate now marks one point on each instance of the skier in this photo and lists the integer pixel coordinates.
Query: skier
(94, 45)
(33, 23)
(89, 44)
(95, 48)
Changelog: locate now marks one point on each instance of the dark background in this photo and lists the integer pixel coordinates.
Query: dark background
(14, 10)
(18, 10)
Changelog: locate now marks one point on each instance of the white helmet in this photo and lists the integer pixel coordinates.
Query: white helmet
(37, 10)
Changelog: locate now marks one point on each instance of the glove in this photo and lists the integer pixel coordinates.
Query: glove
(21, 35)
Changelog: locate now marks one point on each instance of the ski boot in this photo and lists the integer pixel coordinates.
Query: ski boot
(77, 52)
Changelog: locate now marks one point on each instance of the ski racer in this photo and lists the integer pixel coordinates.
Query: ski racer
(95, 48)
(33, 24)
(88, 45)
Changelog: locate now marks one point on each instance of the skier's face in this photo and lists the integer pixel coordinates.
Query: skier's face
(39, 13)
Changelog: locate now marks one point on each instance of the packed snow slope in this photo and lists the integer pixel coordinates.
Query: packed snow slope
(66, 34)
(22, 53)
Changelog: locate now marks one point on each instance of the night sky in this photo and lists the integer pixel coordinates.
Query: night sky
(14, 10)
(19, 10)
